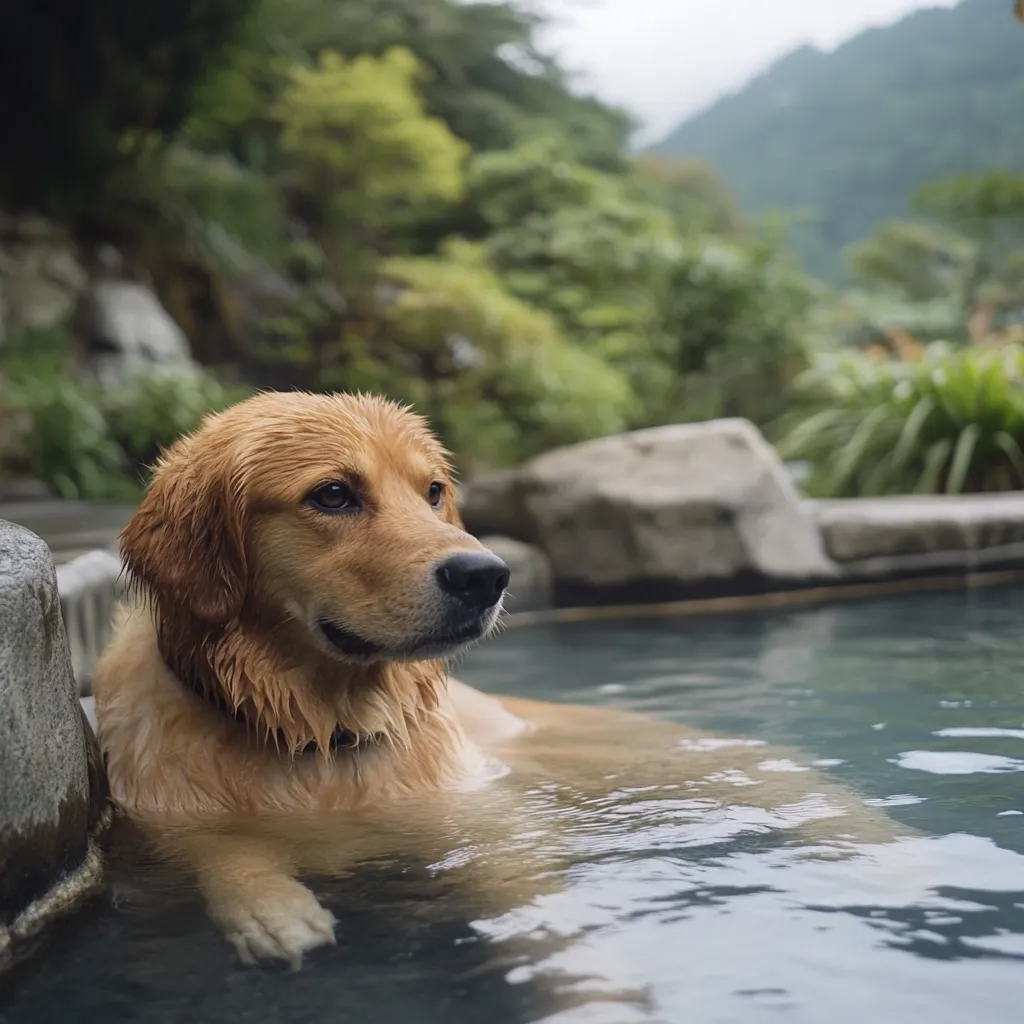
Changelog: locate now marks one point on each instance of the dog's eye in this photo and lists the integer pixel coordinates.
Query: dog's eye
(436, 494)
(334, 497)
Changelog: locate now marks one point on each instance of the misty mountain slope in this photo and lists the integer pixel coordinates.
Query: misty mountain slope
(850, 134)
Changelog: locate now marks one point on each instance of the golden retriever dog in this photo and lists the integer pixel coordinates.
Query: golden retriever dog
(300, 581)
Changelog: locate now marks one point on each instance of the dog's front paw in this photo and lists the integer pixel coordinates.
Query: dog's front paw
(280, 921)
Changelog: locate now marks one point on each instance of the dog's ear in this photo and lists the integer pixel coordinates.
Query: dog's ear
(186, 542)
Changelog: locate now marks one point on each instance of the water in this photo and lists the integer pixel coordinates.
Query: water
(671, 909)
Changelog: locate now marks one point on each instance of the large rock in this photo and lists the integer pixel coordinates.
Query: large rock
(671, 512)
(52, 797)
(127, 334)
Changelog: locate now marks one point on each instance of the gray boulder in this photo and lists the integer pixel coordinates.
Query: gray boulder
(127, 334)
(670, 512)
(52, 795)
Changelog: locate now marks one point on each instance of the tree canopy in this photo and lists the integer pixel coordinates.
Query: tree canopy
(407, 196)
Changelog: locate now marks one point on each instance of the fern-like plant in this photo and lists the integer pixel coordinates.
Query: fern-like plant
(952, 421)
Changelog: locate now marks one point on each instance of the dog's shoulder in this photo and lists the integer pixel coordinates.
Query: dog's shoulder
(485, 720)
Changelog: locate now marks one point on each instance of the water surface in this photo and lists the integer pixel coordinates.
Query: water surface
(669, 910)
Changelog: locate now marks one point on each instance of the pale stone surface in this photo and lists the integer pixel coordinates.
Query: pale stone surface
(70, 528)
(48, 761)
(866, 528)
(678, 505)
(128, 334)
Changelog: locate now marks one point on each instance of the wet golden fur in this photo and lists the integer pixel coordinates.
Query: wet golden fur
(226, 560)
(230, 569)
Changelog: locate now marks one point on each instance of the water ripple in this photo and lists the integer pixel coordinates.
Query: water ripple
(957, 762)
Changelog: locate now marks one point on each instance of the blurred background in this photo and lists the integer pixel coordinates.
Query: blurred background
(539, 223)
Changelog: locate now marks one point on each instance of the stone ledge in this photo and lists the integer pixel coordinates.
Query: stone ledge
(70, 528)
(952, 568)
(858, 529)
(810, 595)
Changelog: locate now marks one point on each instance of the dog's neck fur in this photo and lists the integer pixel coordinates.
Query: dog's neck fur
(241, 668)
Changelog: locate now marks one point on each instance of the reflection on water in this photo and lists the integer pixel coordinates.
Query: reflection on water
(656, 902)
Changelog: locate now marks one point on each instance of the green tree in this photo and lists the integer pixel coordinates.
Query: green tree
(359, 135)
(736, 320)
(485, 76)
(917, 261)
(496, 376)
(83, 77)
(699, 325)
(988, 209)
(574, 242)
(692, 192)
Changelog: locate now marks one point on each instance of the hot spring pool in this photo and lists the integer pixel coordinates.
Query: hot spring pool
(918, 703)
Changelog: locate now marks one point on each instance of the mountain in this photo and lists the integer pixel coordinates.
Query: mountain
(848, 135)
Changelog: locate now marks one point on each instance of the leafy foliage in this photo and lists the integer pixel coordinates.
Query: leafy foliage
(84, 442)
(86, 74)
(61, 437)
(498, 378)
(951, 421)
(692, 193)
(915, 260)
(358, 129)
(988, 210)
(957, 272)
(484, 76)
(737, 322)
(406, 196)
(572, 240)
(144, 419)
(696, 322)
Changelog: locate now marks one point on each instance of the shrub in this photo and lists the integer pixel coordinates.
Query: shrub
(88, 443)
(156, 410)
(61, 437)
(497, 378)
(735, 321)
(952, 421)
(359, 132)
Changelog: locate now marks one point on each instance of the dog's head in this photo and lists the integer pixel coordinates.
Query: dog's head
(332, 516)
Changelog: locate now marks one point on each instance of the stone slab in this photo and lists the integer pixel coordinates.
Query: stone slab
(871, 528)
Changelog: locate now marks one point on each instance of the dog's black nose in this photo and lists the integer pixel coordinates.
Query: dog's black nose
(476, 578)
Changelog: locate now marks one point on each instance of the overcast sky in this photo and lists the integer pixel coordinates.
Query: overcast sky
(666, 59)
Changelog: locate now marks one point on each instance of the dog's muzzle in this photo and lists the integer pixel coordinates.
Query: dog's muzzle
(471, 585)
